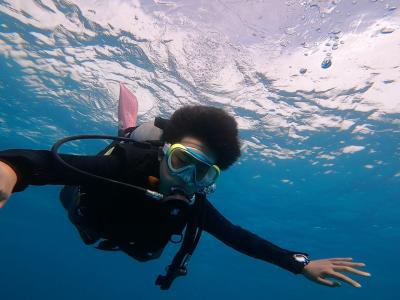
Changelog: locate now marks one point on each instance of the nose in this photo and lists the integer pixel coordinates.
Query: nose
(189, 175)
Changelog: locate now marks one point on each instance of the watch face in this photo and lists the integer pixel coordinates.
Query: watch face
(300, 258)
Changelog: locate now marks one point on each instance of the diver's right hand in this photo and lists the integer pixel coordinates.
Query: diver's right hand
(8, 179)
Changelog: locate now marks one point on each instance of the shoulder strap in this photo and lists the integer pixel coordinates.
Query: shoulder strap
(193, 231)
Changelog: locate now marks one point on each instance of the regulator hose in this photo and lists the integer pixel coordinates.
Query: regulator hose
(59, 143)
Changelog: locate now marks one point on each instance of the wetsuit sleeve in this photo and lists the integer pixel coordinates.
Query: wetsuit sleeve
(39, 167)
(247, 242)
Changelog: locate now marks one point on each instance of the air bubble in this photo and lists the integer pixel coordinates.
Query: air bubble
(390, 7)
(290, 31)
(326, 63)
(303, 70)
(284, 43)
(386, 30)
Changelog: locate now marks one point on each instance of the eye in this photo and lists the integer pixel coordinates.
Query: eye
(202, 170)
(180, 159)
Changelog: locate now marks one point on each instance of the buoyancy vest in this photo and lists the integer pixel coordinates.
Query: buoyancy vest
(74, 200)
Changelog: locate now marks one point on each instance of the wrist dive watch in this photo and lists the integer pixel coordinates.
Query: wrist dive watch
(301, 258)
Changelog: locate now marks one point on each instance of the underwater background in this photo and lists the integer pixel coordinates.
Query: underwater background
(315, 89)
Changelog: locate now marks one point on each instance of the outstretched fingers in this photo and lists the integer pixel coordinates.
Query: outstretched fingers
(341, 259)
(350, 264)
(344, 278)
(351, 270)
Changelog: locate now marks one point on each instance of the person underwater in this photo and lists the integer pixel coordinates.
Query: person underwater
(138, 196)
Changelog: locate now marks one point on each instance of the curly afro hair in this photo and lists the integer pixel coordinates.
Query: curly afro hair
(213, 126)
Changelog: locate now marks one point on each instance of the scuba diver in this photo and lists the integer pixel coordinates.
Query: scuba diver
(150, 187)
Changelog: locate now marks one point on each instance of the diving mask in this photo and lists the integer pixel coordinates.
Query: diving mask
(191, 165)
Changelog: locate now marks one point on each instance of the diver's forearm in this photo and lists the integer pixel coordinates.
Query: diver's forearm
(247, 242)
(39, 167)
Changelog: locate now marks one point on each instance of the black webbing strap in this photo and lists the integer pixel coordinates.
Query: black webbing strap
(161, 122)
(178, 267)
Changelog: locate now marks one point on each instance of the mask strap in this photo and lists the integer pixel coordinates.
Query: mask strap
(166, 147)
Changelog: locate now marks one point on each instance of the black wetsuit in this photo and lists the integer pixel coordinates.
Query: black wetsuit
(119, 214)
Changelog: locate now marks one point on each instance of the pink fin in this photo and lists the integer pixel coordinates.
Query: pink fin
(127, 109)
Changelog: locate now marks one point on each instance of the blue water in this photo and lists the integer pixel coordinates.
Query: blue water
(320, 169)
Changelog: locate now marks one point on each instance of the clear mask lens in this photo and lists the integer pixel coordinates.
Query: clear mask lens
(191, 169)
